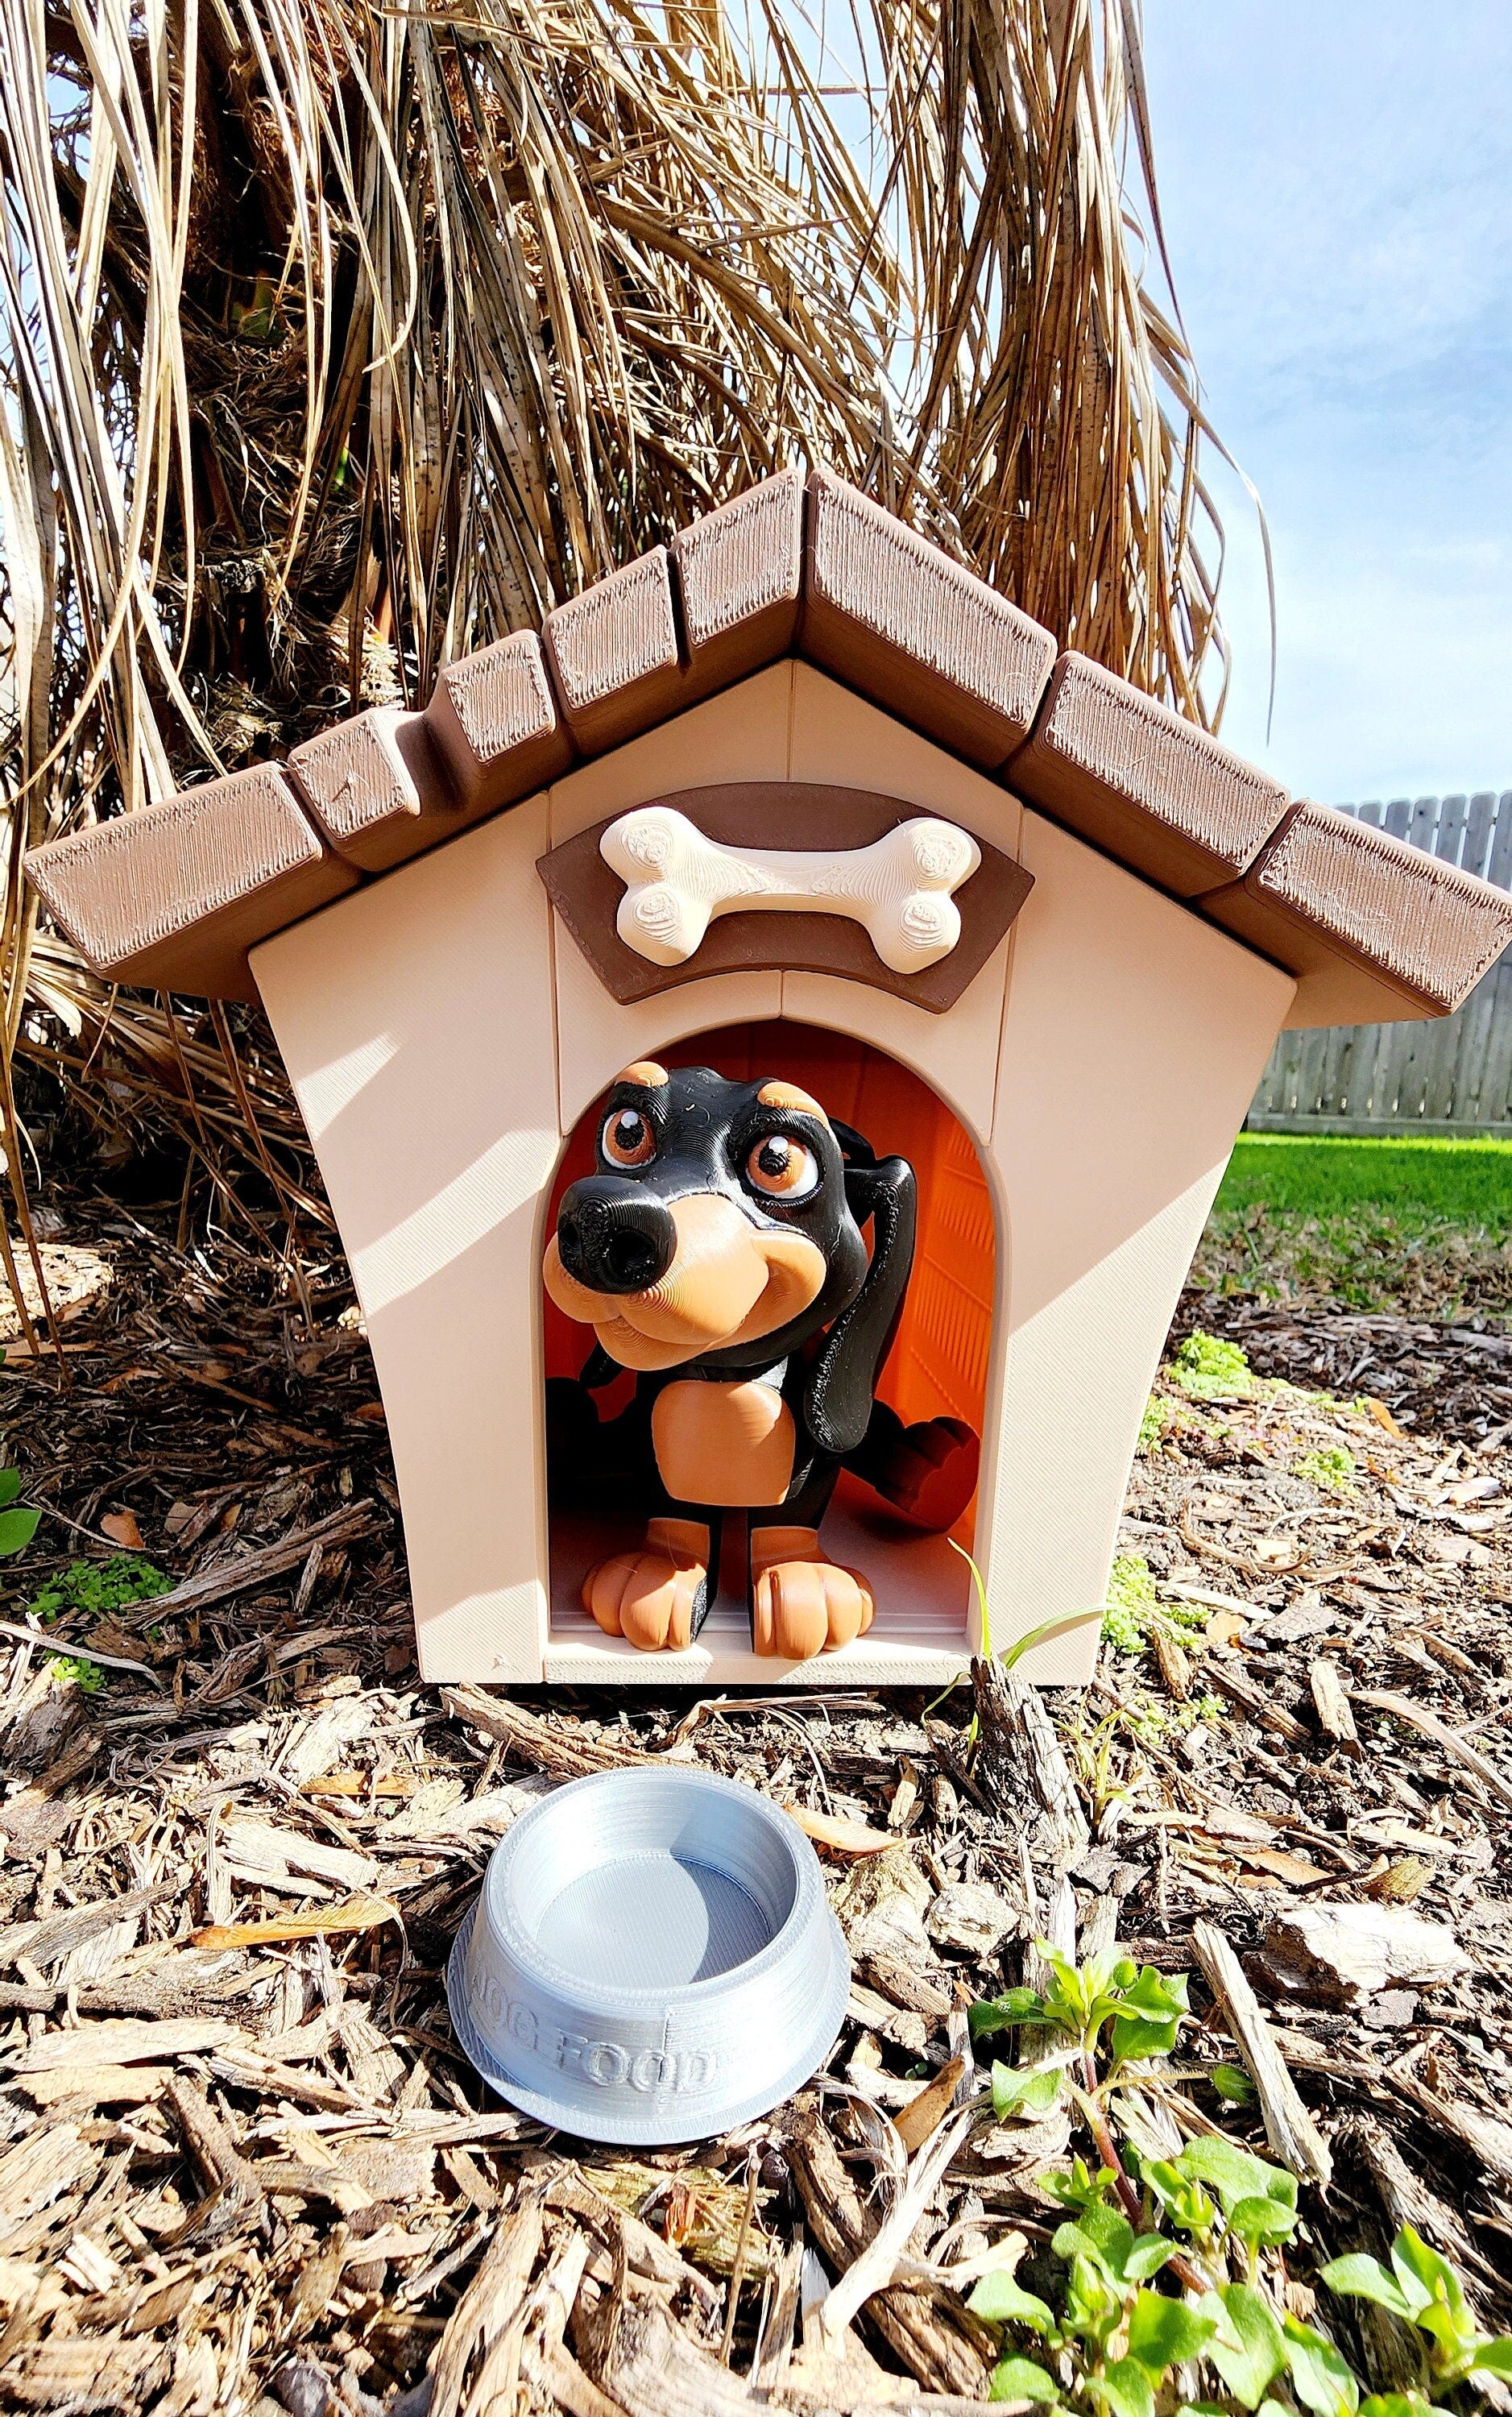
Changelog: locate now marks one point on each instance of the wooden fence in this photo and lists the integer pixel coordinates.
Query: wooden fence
(1451, 1075)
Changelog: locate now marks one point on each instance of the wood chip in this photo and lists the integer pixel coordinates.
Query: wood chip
(841, 1836)
(92, 2045)
(1289, 2127)
(924, 2114)
(1340, 1955)
(245, 1571)
(1020, 1762)
(1331, 1702)
(1240, 1689)
(355, 1913)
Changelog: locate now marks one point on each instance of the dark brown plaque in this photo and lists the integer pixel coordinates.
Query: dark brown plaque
(781, 814)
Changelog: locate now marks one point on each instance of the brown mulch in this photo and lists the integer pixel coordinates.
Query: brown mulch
(1451, 1375)
(238, 2167)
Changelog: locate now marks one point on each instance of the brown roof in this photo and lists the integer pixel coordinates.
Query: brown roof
(173, 896)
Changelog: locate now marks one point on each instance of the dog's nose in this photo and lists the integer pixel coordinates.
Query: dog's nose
(613, 1236)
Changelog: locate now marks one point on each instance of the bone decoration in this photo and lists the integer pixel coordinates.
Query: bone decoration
(898, 889)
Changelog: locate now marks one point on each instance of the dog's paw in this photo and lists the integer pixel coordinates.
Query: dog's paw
(654, 1596)
(802, 1604)
(931, 1471)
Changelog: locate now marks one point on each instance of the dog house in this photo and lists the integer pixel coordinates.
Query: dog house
(800, 799)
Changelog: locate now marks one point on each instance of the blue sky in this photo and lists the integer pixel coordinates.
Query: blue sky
(1336, 187)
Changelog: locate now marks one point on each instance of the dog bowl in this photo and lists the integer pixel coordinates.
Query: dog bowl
(651, 1959)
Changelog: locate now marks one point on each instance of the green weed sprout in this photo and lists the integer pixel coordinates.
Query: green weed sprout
(1209, 1370)
(1130, 1605)
(1141, 2009)
(76, 1670)
(1331, 1467)
(1422, 2289)
(100, 1585)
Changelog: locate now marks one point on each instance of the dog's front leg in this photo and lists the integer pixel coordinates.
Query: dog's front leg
(657, 1595)
(927, 1472)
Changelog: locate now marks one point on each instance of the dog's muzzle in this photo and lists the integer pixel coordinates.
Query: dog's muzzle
(614, 1237)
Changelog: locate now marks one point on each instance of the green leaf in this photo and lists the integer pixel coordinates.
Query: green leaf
(1162, 2332)
(1079, 2188)
(1000, 2301)
(1233, 2084)
(1400, 2404)
(1432, 2287)
(1232, 2174)
(1001, 2013)
(1126, 2388)
(1414, 2262)
(1493, 2357)
(1148, 2254)
(1134, 2036)
(1359, 2277)
(17, 1529)
(1320, 2376)
(1150, 2010)
(1023, 2090)
(1020, 2379)
(1262, 2219)
(1110, 2240)
(9, 1485)
(1247, 2348)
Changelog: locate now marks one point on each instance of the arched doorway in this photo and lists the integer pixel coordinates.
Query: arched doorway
(938, 1366)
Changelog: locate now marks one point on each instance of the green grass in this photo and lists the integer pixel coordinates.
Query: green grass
(1427, 1182)
(1421, 1228)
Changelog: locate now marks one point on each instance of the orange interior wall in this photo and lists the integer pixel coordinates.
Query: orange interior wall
(937, 1367)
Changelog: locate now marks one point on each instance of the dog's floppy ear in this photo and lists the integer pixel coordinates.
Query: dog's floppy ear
(842, 1383)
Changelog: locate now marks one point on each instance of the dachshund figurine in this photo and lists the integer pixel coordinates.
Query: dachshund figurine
(718, 1252)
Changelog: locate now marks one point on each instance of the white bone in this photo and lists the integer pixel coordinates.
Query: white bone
(899, 888)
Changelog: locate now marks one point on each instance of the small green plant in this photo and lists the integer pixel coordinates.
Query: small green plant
(1133, 1608)
(1331, 1466)
(1139, 2008)
(99, 1586)
(1233, 2084)
(1422, 2289)
(76, 1670)
(1011, 1653)
(17, 1527)
(1158, 1417)
(1106, 2295)
(1131, 1602)
(1209, 1370)
(1263, 2358)
(1216, 2192)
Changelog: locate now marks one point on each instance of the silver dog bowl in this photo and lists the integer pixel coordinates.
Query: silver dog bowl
(652, 1958)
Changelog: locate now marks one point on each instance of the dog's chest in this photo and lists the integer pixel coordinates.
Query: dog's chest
(731, 1444)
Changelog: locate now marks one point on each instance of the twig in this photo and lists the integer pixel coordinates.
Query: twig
(1417, 1716)
(67, 1650)
(1289, 2127)
(253, 1569)
(876, 2265)
(738, 2267)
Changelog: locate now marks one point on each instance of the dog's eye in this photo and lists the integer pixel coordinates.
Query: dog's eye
(782, 1169)
(627, 1139)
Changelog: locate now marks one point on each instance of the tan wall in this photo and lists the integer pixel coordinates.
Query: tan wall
(442, 1032)
(417, 1031)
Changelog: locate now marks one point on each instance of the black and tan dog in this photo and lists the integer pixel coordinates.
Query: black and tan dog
(719, 1252)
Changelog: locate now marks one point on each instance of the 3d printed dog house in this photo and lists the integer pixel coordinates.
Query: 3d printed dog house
(446, 1032)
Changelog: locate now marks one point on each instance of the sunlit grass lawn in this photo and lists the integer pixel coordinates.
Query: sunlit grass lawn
(1421, 1227)
(1465, 1182)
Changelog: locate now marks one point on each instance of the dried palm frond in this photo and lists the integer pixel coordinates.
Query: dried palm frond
(336, 340)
